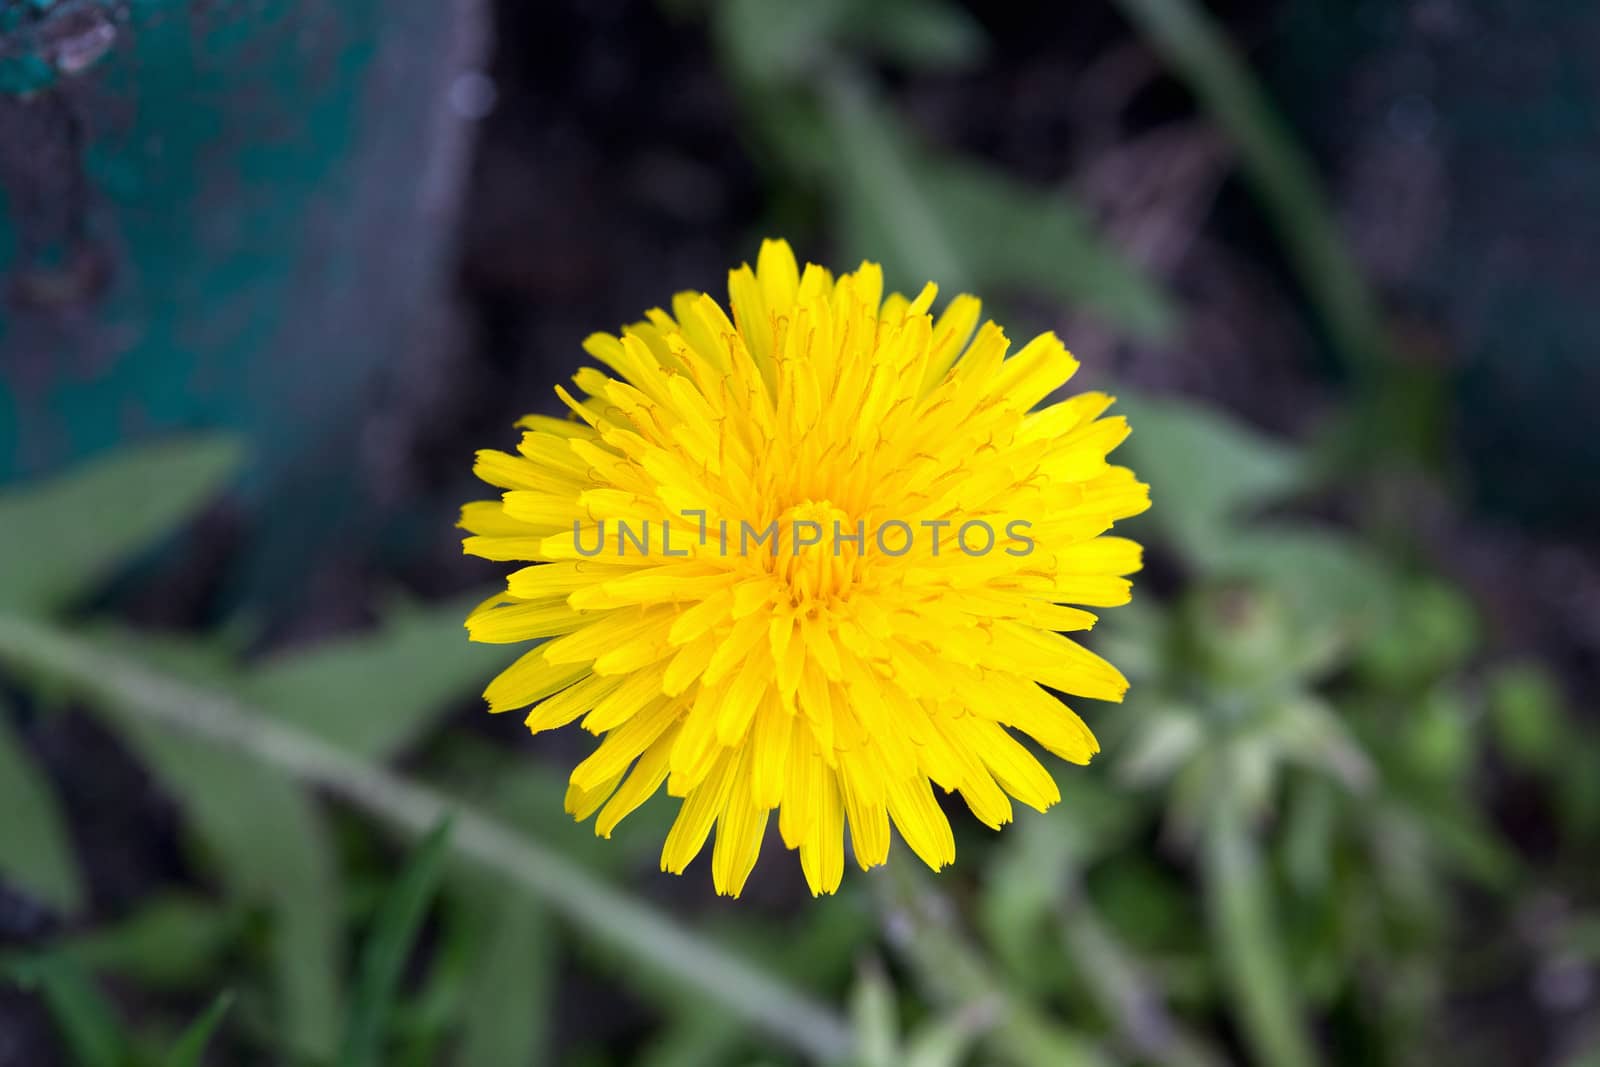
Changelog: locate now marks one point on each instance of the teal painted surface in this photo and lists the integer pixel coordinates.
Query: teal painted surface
(219, 224)
(213, 197)
(42, 41)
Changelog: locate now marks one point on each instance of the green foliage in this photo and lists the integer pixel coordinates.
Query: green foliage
(388, 946)
(90, 1026)
(272, 850)
(970, 227)
(1527, 714)
(192, 1045)
(35, 851)
(1208, 472)
(265, 836)
(61, 539)
(506, 1017)
(940, 1042)
(173, 941)
(411, 665)
(371, 693)
(771, 40)
(872, 1013)
(81, 1013)
(1249, 950)
(922, 213)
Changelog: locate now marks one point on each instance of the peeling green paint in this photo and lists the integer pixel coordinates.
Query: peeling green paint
(44, 40)
(226, 229)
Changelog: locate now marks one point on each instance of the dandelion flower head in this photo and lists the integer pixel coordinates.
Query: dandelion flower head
(815, 559)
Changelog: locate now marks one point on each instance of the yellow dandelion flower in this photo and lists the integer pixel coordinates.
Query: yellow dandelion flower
(815, 559)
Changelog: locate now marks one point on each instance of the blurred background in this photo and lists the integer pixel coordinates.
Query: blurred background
(271, 272)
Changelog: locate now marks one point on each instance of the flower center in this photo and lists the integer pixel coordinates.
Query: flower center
(819, 553)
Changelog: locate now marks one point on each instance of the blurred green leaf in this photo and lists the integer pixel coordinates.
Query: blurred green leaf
(1164, 741)
(1015, 237)
(1241, 910)
(1579, 787)
(1328, 581)
(1426, 629)
(1310, 821)
(966, 227)
(890, 214)
(691, 1039)
(915, 33)
(211, 658)
(1237, 639)
(873, 1017)
(81, 1014)
(1439, 737)
(512, 988)
(1469, 844)
(921, 214)
(525, 793)
(425, 1021)
(1034, 863)
(1206, 472)
(36, 852)
(955, 976)
(375, 691)
(170, 941)
(1307, 729)
(428, 1019)
(61, 538)
(1528, 715)
(387, 948)
(1025, 875)
(947, 1042)
(371, 692)
(770, 41)
(272, 847)
(192, 1045)
(773, 41)
(1123, 990)
(1143, 906)
(1138, 638)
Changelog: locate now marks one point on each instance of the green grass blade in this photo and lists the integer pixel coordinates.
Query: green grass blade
(388, 945)
(192, 1045)
(82, 1016)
